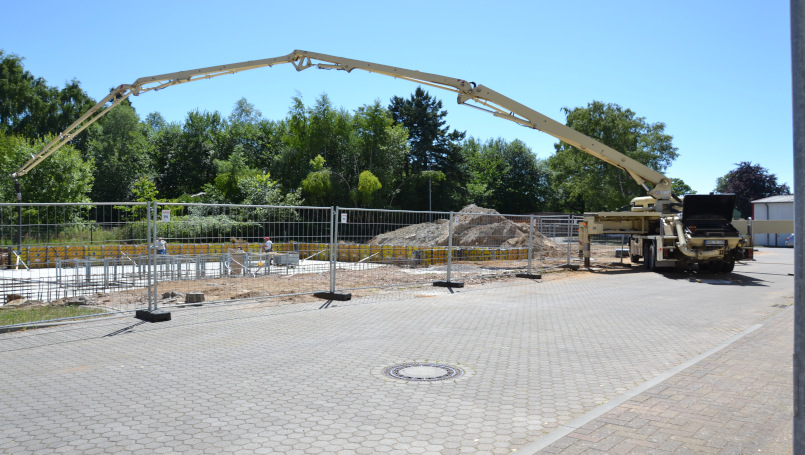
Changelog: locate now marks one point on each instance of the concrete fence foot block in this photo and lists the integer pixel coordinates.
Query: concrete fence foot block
(333, 296)
(533, 276)
(153, 316)
(449, 284)
(194, 297)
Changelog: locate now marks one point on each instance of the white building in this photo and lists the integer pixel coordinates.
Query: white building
(773, 208)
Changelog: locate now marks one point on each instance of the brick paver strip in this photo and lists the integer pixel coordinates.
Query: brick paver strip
(734, 399)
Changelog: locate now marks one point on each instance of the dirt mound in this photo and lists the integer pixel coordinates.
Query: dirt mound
(473, 227)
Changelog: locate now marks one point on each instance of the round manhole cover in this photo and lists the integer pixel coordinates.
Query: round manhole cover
(423, 372)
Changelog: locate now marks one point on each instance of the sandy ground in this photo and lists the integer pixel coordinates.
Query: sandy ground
(299, 288)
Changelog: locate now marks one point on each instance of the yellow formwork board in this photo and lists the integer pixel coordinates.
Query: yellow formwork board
(376, 251)
(388, 252)
(93, 251)
(319, 251)
(366, 252)
(55, 252)
(216, 248)
(399, 252)
(202, 249)
(354, 253)
(426, 256)
(110, 251)
(75, 252)
(343, 252)
(35, 256)
(486, 254)
(255, 247)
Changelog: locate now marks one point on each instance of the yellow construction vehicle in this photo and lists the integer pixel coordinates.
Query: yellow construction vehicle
(664, 229)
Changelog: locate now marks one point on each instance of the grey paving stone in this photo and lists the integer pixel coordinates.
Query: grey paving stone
(537, 355)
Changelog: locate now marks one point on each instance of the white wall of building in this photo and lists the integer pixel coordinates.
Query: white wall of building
(772, 210)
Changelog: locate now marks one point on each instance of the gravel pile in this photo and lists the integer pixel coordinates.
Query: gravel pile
(474, 227)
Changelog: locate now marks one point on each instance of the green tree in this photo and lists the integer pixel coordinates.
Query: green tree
(120, 149)
(144, 190)
(368, 185)
(680, 188)
(380, 146)
(750, 182)
(259, 189)
(586, 183)
(506, 176)
(185, 157)
(433, 148)
(242, 132)
(319, 130)
(317, 186)
(29, 107)
(64, 177)
(230, 172)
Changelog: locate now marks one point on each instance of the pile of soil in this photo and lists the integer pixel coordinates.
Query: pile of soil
(473, 227)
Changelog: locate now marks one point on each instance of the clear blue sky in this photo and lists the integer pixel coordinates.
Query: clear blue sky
(717, 73)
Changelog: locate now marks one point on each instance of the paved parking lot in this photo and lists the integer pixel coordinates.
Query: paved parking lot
(595, 362)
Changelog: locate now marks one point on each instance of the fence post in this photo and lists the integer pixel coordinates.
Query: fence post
(528, 273)
(152, 314)
(333, 247)
(530, 241)
(148, 255)
(156, 269)
(569, 238)
(447, 283)
(449, 245)
(331, 294)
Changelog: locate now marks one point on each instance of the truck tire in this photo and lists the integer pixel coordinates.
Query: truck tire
(635, 258)
(728, 267)
(649, 255)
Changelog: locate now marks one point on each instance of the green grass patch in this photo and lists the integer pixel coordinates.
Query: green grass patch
(9, 316)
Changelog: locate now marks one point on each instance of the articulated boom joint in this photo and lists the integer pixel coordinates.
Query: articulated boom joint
(302, 64)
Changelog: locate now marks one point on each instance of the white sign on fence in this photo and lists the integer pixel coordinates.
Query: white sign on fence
(343, 217)
(166, 216)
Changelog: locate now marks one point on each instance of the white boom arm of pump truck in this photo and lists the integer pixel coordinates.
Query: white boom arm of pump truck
(477, 96)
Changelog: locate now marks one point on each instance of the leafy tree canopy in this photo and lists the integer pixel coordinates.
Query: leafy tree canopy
(64, 177)
(30, 108)
(750, 182)
(433, 148)
(586, 183)
(506, 175)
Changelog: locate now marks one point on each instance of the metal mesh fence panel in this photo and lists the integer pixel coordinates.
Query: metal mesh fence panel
(561, 239)
(377, 248)
(70, 260)
(221, 252)
(107, 258)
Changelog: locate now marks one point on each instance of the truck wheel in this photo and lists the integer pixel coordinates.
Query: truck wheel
(728, 266)
(649, 257)
(635, 258)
